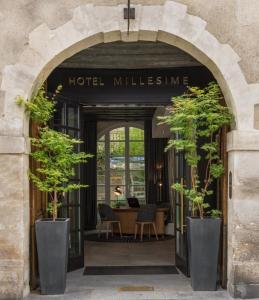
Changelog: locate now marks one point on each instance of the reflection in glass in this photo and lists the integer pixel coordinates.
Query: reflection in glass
(72, 117)
(63, 211)
(73, 133)
(117, 134)
(136, 134)
(117, 149)
(59, 114)
(137, 191)
(102, 138)
(73, 197)
(101, 192)
(74, 213)
(75, 241)
(117, 163)
(137, 177)
(137, 164)
(136, 149)
(117, 177)
(100, 177)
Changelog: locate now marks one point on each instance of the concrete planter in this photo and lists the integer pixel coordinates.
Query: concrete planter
(52, 246)
(203, 247)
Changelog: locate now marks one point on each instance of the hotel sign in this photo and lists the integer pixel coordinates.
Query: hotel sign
(128, 81)
(154, 86)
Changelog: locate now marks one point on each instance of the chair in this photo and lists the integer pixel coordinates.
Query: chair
(146, 216)
(109, 218)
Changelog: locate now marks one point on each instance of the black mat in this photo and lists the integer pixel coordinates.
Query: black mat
(124, 239)
(130, 270)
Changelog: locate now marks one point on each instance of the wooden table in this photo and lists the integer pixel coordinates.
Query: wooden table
(128, 218)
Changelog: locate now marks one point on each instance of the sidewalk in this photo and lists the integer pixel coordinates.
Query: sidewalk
(155, 287)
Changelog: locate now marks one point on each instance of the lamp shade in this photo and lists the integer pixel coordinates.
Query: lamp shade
(117, 191)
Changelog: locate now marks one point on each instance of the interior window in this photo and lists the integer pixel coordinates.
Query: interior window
(121, 162)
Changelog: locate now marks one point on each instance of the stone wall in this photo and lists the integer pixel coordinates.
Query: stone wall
(38, 35)
(233, 21)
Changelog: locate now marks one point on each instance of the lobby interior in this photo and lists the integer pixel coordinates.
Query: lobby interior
(111, 98)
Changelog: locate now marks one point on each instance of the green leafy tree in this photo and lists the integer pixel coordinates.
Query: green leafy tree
(55, 151)
(197, 116)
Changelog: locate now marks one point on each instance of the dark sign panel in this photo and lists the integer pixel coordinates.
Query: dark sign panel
(149, 86)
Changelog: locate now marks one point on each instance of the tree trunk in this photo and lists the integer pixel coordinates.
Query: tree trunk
(55, 206)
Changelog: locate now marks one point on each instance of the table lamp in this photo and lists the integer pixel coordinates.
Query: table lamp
(118, 193)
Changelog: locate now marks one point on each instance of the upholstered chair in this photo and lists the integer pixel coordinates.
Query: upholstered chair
(109, 218)
(146, 216)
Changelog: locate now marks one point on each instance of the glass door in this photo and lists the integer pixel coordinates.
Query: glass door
(182, 210)
(67, 120)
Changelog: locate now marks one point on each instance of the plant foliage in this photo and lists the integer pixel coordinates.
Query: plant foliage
(54, 151)
(40, 108)
(197, 116)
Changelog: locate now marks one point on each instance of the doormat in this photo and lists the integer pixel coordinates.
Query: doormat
(136, 289)
(124, 239)
(130, 270)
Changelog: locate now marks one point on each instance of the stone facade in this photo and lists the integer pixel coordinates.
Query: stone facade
(36, 36)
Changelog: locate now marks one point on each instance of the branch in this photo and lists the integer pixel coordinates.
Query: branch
(207, 173)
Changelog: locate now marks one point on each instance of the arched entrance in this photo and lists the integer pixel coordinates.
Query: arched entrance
(171, 24)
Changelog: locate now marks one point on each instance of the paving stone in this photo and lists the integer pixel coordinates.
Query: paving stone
(81, 287)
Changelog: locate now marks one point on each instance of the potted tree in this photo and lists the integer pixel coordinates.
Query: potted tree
(195, 119)
(56, 155)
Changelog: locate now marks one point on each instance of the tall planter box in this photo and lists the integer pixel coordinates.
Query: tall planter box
(203, 246)
(52, 246)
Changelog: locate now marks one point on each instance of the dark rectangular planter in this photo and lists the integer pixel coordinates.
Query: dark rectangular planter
(203, 246)
(52, 246)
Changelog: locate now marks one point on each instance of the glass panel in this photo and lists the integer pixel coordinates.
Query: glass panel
(117, 163)
(177, 216)
(136, 134)
(181, 247)
(117, 134)
(100, 149)
(75, 244)
(101, 192)
(138, 191)
(102, 138)
(178, 235)
(136, 149)
(72, 117)
(74, 215)
(117, 177)
(100, 177)
(101, 156)
(137, 177)
(73, 197)
(73, 133)
(59, 114)
(117, 149)
(100, 201)
(63, 211)
(77, 172)
(137, 163)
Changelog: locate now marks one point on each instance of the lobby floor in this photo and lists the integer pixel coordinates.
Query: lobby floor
(129, 254)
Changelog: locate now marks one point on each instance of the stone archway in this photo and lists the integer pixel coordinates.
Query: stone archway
(90, 25)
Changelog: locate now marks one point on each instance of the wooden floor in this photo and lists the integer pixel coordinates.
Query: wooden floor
(129, 254)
